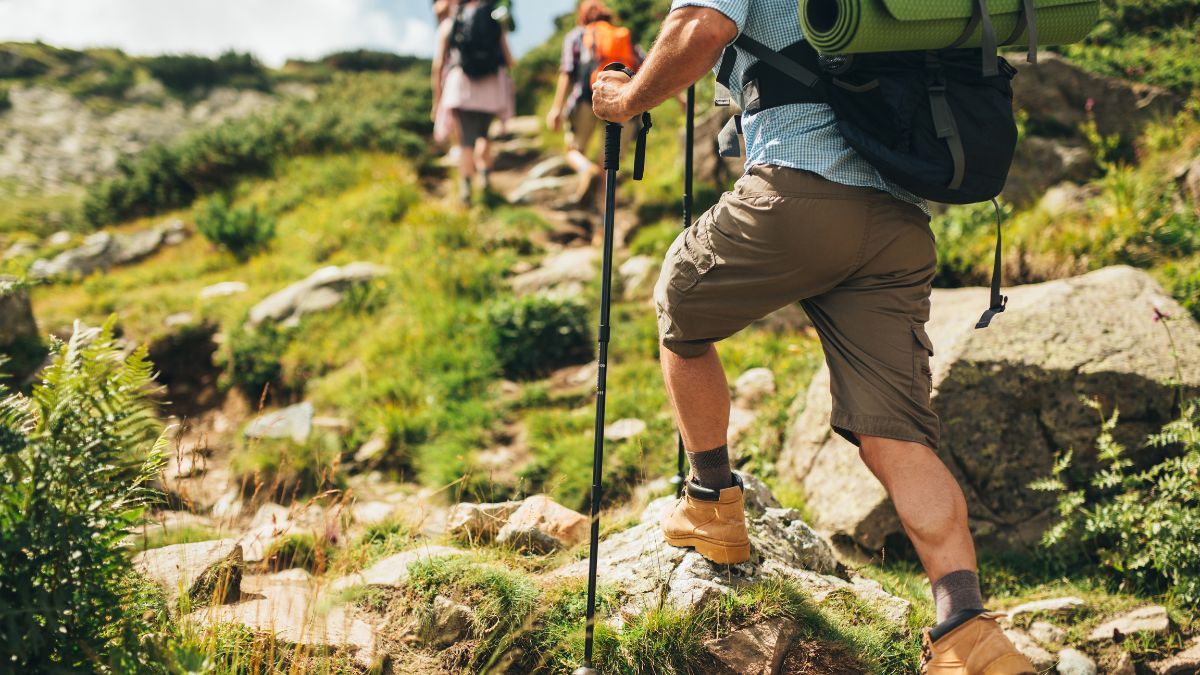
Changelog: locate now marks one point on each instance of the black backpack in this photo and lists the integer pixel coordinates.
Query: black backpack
(938, 123)
(476, 39)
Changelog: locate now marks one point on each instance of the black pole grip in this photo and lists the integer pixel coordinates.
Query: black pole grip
(612, 146)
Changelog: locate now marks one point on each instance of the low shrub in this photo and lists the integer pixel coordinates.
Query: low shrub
(534, 335)
(186, 74)
(1138, 526)
(242, 231)
(285, 471)
(305, 551)
(77, 455)
(367, 60)
(370, 111)
(253, 360)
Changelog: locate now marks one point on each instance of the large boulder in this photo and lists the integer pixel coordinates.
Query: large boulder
(208, 572)
(710, 167)
(645, 570)
(1009, 398)
(18, 329)
(320, 291)
(1041, 163)
(1059, 97)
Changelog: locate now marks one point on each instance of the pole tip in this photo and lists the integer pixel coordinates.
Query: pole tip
(584, 670)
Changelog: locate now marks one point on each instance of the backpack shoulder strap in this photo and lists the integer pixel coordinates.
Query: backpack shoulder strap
(777, 61)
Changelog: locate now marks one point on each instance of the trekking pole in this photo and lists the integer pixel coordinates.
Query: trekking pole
(689, 140)
(612, 160)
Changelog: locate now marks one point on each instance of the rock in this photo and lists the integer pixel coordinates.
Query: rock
(623, 430)
(223, 290)
(1075, 662)
(1009, 401)
(1125, 665)
(371, 513)
(179, 320)
(1067, 199)
(20, 249)
(449, 622)
(638, 275)
(1043, 162)
(479, 522)
(1056, 606)
(270, 522)
(740, 421)
(543, 525)
(551, 166)
(753, 386)
(644, 570)
(290, 606)
(535, 189)
(1151, 619)
(294, 422)
(320, 291)
(1058, 97)
(563, 273)
(228, 506)
(1186, 662)
(515, 153)
(1189, 180)
(372, 450)
(758, 649)
(61, 238)
(1047, 633)
(18, 329)
(392, 572)
(208, 572)
(1041, 659)
(103, 250)
(523, 126)
(710, 167)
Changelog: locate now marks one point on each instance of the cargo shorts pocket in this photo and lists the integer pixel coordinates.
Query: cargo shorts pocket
(692, 255)
(922, 386)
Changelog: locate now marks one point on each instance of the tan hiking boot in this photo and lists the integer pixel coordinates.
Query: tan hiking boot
(977, 647)
(713, 523)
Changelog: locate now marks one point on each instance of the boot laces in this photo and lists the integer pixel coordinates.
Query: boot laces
(926, 650)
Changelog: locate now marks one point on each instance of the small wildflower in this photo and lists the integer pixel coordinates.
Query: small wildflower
(1091, 104)
(1160, 315)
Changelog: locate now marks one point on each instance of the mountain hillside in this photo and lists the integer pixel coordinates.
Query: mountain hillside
(294, 408)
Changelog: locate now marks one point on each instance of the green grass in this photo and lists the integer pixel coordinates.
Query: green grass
(157, 537)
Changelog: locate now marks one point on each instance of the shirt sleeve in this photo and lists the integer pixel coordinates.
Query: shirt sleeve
(736, 10)
(570, 51)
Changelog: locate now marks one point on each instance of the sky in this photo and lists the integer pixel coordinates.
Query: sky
(274, 30)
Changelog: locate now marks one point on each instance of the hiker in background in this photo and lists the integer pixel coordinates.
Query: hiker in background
(472, 86)
(444, 129)
(595, 42)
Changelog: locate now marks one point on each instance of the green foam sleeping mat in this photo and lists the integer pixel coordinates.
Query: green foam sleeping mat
(856, 26)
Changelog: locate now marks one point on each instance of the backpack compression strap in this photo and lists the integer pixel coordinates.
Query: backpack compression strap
(998, 302)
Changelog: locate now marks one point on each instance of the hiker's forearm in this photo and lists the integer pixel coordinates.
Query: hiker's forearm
(691, 41)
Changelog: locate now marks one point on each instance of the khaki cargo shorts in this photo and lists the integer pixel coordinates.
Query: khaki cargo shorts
(860, 262)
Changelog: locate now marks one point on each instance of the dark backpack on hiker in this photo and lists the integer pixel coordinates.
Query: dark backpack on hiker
(476, 39)
(937, 123)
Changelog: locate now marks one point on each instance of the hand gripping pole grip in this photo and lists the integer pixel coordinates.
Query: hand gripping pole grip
(612, 137)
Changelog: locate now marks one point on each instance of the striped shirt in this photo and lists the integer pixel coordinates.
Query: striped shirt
(801, 135)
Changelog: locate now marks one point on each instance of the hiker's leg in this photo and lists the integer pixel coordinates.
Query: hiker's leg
(699, 394)
(763, 246)
(483, 149)
(928, 499)
(464, 120)
(581, 126)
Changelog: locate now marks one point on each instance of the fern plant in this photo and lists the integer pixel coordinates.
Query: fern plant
(1138, 525)
(75, 459)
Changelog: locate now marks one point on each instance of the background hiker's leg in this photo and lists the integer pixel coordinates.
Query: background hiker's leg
(699, 393)
(484, 150)
(929, 501)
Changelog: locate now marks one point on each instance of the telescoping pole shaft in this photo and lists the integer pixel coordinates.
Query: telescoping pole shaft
(612, 158)
(689, 143)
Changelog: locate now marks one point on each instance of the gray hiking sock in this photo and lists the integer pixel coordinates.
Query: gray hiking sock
(957, 592)
(711, 468)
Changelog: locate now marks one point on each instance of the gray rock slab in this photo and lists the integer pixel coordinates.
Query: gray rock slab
(1151, 619)
(1009, 401)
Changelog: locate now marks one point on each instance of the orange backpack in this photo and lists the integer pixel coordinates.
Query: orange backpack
(604, 43)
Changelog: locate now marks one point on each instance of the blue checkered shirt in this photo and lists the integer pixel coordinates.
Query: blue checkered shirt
(798, 136)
